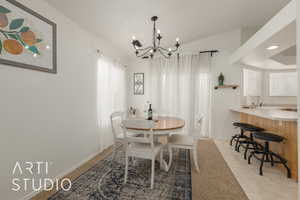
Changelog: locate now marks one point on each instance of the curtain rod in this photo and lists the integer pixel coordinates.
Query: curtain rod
(211, 52)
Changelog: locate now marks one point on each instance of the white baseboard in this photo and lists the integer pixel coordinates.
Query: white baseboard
(63, 174)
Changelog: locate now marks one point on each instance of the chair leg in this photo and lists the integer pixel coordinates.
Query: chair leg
(170, 157)
(114, 154)
(161, 160)
(126, 169)
(195, 158)
(152, 172)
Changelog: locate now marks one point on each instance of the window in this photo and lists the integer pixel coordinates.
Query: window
(252, 82)
(283, 84)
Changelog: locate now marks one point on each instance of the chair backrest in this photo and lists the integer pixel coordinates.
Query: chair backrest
(142, 129)
(116, 119)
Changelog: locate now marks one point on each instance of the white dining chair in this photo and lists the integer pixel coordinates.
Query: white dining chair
(141, 147)
(185, 142)
(116, 119)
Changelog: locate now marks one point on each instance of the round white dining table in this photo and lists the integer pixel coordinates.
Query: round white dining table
(163, 127)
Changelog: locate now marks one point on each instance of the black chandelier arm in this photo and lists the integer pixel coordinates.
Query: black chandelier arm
(144, 53)
(161, 48)
(172, 50)
(162, 53)
(144, 49)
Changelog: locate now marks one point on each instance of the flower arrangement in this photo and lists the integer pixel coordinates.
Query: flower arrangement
(132, 110)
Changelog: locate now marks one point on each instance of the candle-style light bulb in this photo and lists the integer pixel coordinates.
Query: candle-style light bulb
(170, 49)
(133, 37)
(177, 39)
(158, 31)
(151, 51)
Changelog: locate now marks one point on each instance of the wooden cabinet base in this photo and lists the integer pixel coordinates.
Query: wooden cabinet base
(287, 149)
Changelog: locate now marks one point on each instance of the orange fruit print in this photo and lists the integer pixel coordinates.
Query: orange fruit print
(13, 47)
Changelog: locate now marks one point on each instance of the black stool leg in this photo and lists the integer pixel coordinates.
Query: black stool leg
(261, 164)
(246, 150)
(236, 144)
(254, 145)
(288, 170)
(232, 138)
(272, 160)
(239, 147)
(268, 157)
(282, 161)
(249, 158)
(238, 141)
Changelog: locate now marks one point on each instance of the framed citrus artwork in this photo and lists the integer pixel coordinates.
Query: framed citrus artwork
(27, 39)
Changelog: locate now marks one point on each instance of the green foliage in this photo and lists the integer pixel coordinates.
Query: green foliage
(13, 36)
(4, 10)
(38, 40)
(16, 23)
(21, 41)
(24, 29)
(33, 49)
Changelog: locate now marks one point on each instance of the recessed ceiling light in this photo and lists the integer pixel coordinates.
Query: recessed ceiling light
(273, 47)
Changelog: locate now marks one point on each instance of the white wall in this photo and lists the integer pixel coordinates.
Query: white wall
(51, 117)
(223, 99)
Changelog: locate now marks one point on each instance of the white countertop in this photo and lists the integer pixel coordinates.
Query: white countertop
(273, 113)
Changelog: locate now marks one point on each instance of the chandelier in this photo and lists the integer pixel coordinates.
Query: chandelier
(151, 50)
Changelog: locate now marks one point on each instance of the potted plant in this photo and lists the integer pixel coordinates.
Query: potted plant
(221, 79)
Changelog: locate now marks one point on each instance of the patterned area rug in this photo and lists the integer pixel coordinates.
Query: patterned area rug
(105, 181)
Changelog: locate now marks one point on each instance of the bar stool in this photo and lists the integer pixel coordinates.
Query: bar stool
(249, 143)
(267, 155)
(236, 138)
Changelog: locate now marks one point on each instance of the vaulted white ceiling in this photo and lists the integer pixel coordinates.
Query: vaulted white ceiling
(117, 20)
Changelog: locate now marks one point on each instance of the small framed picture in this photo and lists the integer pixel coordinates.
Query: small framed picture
(138, 83)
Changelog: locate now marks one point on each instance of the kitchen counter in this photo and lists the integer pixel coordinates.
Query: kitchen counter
(280, 122)
(273, 113)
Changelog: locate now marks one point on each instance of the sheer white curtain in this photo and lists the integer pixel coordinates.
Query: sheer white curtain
(181, 86)
(111, 96)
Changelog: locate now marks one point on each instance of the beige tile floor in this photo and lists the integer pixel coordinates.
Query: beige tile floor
(274, 185)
